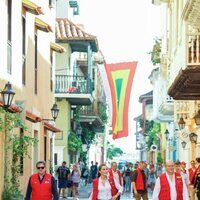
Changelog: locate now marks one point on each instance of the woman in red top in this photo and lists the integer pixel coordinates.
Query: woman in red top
(104, 186)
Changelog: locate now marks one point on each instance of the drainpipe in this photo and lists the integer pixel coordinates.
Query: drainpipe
(89, 63)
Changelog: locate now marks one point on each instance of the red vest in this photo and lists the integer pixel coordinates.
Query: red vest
(139, 184)
(165, 192)
(41, 190)
(191, 174)
(111, 176)
(95, 189)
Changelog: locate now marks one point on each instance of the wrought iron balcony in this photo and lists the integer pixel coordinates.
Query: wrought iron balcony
(76, 89)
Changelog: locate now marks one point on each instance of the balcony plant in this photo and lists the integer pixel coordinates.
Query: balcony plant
(156, 52)
(74, 142)
(153, 130)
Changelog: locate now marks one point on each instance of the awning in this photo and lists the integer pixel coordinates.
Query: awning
(43, 26)
(58, 48)
(32, 117)
(32, 7)
(13, 108)
(51, 127)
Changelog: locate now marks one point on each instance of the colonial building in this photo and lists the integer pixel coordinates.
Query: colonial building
(28, 44)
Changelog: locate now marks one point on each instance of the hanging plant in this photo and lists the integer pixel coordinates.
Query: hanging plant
(74, 142)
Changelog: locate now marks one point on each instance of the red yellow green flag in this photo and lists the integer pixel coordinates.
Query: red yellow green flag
(120, 78)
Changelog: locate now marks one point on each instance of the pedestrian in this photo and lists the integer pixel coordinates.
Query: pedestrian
(63, 178)
(93, 170)
(159, 170)
(138, 179)
(104, 186)
(127, 179)
(184, 173)
(152, 178)
(197, 178)
(115, 174)
(41, 185)
(170, 185)
(191, 172)
(75, 177)
(85, 174)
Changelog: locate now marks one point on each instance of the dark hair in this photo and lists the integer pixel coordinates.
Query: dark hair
(41, 162)
(177, 163)
(99, 169)
(64, 162)
(198, 159)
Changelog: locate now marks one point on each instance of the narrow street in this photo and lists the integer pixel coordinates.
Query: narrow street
(84, 193)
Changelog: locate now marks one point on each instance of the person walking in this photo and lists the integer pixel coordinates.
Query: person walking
(104, 186)
(63, 178)
(170, 185)
(191, 172)
(197, 178)
(184, 173)
(75, 177)
(116, 175)
(41, 185)
(127, 179)
(93, 170)
(139, 185)
(152, 178)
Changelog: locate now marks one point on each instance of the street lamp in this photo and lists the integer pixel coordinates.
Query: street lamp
(181, 123)
(193, 137)
(7, 95)
(183, 143)
(54, 111)
(166, 134)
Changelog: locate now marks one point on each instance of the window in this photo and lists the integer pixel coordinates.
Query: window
(51, 71)
(23, 50)
(55, 159)
(36, 68)
(9, 37)
(45, 148)
(52, 3)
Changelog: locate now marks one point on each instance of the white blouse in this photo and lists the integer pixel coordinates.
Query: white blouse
(104, 190)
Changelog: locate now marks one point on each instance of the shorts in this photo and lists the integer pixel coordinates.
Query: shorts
(75, 184)
(62, 183)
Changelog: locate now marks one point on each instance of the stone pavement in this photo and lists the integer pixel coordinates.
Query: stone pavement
(84, 193)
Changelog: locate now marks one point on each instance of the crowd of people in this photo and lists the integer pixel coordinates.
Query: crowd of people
(173, 181)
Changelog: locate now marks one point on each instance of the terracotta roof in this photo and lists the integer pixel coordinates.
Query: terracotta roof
(51, 127)
(32, 117)
(13, 108)
(68, 31)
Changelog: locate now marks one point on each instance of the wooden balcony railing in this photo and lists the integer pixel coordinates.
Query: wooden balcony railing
(72, 84)
(193, 49)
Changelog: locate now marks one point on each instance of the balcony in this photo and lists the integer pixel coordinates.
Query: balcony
(93, 116)
(186, 84)
(77, 90)
(191, 12)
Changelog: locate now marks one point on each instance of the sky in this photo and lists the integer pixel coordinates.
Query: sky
(125, 31)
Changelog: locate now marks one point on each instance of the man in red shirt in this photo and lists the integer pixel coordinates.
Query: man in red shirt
(191, 172)
(138, 179)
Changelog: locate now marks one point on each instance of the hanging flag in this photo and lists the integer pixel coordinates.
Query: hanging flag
(120, 78)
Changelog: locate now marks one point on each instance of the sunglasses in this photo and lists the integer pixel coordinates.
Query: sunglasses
(40, 167)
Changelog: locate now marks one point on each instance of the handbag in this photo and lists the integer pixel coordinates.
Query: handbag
(69, 183)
